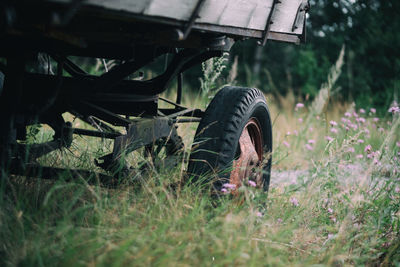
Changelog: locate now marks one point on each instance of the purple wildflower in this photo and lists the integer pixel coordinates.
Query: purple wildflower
(394, 110)
(294, 201)
(286, 144)
(334, 130)
(229, 186)
(333, 123)
(309, 147)
(362, 110)
(372, 110)
(328, 138)
(360, 119)
(299, 105)
(360, 141)
(251, 183)
(368, 149)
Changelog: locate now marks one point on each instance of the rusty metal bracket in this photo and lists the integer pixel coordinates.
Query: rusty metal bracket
(269, 22)
(140, 133)
(303, 7)
(192, 19)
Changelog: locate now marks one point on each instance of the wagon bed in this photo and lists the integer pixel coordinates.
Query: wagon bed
(119, 21)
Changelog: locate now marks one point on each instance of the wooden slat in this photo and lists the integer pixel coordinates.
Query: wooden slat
(248, 17)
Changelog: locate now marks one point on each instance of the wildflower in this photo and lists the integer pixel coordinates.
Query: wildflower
(294, 201)
(375, 119)
(347, 114)
(334, 130)
(309, 147)
(328, 138)
(366, 131)
(299, 105)
(347, 128)
(380, 129)
(355, 114)
(229, 186)
(361, 120)
(360, 141)
(288, 133)
(311, 141)
(370, 156)
(223, 190)
(279, 220)
(259, 214)
(354, 126)
(368, 149)
(398, 143)
(330, 236)
(251, 183)
(296, 133)
(333, 219)
(372, 110)
(397, 189)
(333, 123)
(330, 210)
(344, 120)
(394, 110)
(300, 120)
(362, 110)
(286, 144)
(351, 150)
(359, 156)
(376, 162)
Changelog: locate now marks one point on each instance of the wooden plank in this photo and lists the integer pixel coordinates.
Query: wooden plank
(285, 15)
(248, 17)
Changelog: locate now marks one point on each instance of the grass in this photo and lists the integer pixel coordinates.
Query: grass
(343, 209)
(331, 215)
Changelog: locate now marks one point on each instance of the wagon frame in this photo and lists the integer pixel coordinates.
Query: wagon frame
(64, 28)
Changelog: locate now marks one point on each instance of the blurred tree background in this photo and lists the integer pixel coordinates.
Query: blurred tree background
(370, 31)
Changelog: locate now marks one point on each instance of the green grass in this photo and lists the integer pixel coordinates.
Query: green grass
(342, 210)
(319, 219)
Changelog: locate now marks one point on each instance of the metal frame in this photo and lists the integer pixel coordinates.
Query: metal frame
(103, 101)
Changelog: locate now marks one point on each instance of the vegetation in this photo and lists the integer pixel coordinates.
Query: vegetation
(339, 204)
(334, 197)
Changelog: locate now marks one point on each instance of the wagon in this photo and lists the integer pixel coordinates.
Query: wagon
(233, 141)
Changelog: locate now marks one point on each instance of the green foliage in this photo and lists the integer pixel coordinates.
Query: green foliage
(372, 64)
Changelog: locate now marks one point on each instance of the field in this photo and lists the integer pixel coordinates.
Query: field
(334, 200)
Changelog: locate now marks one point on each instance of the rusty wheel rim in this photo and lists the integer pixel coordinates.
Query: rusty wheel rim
(248, 166)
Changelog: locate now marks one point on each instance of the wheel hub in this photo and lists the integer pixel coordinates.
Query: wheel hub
(248, 164)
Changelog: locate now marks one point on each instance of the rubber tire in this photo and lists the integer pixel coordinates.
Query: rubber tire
(216, 141)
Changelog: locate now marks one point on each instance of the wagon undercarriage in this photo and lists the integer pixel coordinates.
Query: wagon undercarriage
(102, 101)
(234, 133)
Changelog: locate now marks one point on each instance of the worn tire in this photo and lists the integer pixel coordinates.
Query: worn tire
(216, 143)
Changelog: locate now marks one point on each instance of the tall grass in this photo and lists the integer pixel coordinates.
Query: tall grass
(337, 209)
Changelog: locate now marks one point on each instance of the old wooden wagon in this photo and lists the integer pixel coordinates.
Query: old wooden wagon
(234, 137)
